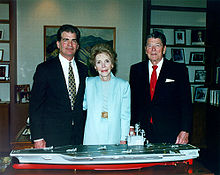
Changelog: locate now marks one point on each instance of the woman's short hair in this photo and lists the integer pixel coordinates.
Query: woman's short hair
(102, 48)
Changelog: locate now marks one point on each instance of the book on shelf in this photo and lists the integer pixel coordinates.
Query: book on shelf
(23, 93)
(215, 97)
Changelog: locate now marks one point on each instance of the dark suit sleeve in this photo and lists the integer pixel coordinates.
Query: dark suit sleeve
(38, 95)
(131, 81)
(134, 97)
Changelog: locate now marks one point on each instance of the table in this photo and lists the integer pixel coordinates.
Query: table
(196, 168)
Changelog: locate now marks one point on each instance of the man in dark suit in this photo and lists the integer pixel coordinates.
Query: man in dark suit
(166, 114)
(55, 119)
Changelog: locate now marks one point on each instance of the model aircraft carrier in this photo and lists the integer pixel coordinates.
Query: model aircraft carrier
(103, 156)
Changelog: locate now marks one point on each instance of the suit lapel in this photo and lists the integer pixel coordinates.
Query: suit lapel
(146, 82)
(161, 79)
(61, 79)
(79, 70)
(81, 78)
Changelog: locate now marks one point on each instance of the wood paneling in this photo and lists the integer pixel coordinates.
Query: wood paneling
(4, 128)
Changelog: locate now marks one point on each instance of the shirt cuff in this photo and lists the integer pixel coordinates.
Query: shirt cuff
(38, 140)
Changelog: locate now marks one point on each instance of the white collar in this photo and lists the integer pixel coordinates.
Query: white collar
(65, 61)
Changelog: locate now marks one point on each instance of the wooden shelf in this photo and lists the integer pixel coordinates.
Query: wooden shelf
(197, 83)
(4, 21)
(195, 64)
(4, 62)
(4, 81)
(186, 46)
(177, 27)
(4, 41)
(178, 8)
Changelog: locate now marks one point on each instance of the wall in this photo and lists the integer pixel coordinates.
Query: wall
(32, 15)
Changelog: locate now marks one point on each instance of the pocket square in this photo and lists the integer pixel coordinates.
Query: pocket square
(169, 80)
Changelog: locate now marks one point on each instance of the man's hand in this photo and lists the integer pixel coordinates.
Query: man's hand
(40, 144)
(182, 138)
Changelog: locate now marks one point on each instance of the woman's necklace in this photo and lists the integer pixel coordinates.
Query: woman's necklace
(105, 91)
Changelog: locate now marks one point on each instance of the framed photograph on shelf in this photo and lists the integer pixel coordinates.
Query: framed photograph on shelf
(178, 55)
(1, 54)
(197, 58)
(179, 37)
(200, 76)
(1, 34)
(217, 75)
(198, 36)
(4, 71)
(23, 93)
(201, 94)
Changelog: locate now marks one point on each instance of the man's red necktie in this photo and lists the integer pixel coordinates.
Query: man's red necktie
(153, 81)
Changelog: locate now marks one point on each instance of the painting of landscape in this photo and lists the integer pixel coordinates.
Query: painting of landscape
(89, 37)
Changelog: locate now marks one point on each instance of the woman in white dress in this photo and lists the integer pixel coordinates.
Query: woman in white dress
(107, 101)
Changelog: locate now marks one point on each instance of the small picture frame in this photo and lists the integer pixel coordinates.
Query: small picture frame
(200, 76)
(23, 93)
(178, 55)
(201, 94)
(1, 34)
(198, 37)
(217, 75)
(4, 72)
(179, 37)
(1, 54)
(197, 58)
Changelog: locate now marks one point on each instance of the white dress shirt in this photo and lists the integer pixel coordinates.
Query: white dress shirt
(157, 70)
(65, 65)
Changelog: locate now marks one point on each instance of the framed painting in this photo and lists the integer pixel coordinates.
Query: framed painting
(89, 36)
